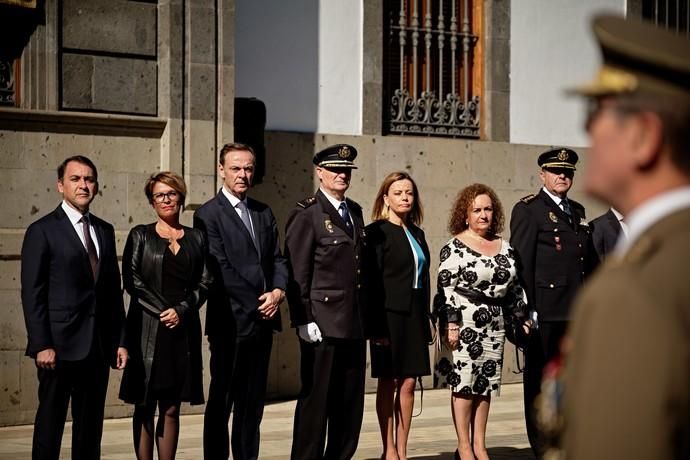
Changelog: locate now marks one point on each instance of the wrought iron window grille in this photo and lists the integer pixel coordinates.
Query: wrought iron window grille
(429, 50)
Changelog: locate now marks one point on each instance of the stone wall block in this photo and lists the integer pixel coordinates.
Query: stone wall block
(29, 394)
(77, 81)
(118, 154)
(201, 188)
(115, 26)
(10, 381)
(499, 128)
(139, 211)
(36, 192)
(12, 328)
(201, 148)
(499, 79)
(202, 92)
(10, 245)
(111, 202)
(45, 151)
(202, 34)
(125, 85)
(12, 149)
(492, 164)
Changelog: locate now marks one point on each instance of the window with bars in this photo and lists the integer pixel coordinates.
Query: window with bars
(673, 15)
(432, 67)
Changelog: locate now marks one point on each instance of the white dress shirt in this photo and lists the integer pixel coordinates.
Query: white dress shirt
(234, 201)
(74, 217)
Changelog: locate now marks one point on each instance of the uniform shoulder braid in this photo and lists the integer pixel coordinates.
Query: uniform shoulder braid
(305, 203)
(529, 198)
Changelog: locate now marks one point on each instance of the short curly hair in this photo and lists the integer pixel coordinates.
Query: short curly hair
(463, 202)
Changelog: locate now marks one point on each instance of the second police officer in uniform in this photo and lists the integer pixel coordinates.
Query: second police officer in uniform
(325, 241)
(553, 241)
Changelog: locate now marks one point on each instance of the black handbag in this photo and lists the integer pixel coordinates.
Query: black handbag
(515, 332)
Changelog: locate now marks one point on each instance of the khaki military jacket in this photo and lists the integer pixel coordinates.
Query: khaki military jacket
(627, 377)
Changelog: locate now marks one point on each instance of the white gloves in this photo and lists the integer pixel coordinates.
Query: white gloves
(310, 333)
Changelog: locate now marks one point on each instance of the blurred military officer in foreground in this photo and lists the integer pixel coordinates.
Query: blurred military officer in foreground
(324, 244)
(555, 254)
(628, 370)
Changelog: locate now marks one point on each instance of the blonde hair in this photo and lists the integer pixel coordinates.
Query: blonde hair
(380, 210)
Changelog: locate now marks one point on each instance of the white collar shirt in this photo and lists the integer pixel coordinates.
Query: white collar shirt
(74, 217)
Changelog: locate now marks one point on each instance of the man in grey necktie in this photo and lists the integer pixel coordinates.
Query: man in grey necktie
(242, 312)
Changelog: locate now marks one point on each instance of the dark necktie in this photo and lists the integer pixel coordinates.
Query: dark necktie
(566, 209)
(244, 215)
(90, 247)
(345, 214)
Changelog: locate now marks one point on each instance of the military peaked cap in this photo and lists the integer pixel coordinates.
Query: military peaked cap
(558, 158)
(336, 156)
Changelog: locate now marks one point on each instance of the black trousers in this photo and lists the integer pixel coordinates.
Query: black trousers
(332, 398)
(544, 345)
(239, 371)
(83, 382)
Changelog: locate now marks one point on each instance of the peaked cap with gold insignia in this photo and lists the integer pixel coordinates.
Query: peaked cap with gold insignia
(336, 156)
(558, 158)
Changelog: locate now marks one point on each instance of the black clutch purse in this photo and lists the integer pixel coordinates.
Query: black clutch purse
(515, 332)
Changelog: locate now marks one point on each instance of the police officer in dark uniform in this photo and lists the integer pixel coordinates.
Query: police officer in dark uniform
(554, 246)
(324, 243)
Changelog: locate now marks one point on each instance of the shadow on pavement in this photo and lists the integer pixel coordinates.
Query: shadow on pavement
(495, 453)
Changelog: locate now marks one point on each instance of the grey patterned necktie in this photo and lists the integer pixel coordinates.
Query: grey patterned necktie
(90, 247)
(244, 215)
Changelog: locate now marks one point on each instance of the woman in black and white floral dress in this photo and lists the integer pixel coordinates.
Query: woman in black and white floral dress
(476, 282)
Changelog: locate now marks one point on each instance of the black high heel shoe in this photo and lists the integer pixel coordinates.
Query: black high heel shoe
(456, 455)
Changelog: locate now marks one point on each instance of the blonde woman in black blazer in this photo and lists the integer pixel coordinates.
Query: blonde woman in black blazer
(399, 293)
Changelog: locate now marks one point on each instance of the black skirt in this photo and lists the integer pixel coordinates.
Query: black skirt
(409, 335)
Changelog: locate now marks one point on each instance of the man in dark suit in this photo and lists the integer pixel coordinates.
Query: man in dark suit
(74, 314)
(324, 244)
(606, 231)
(242, 313)
(555, 254)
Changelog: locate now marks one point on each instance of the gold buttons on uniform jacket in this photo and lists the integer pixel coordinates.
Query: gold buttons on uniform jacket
(359, 286)
(325, 299)
(551, 286)
(335, 241)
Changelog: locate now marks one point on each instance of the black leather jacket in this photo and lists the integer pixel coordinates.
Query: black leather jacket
(142, 270)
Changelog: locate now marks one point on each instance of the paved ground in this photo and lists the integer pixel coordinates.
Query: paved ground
(432, 437)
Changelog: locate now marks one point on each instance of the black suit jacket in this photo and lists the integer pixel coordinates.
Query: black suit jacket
(142, 275)
(326, 268)
(391, 265)
(64, 307)
(605, 232)
(241, 272)
(554, 256)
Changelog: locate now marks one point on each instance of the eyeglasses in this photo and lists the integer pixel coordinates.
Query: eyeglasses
(162, 197)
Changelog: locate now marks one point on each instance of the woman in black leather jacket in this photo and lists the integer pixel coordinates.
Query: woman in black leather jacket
(165, 273)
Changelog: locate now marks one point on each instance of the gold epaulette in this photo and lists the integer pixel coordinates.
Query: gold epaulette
(528, 198)
(305, 203)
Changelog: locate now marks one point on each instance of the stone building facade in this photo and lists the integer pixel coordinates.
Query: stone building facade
(142, 86)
